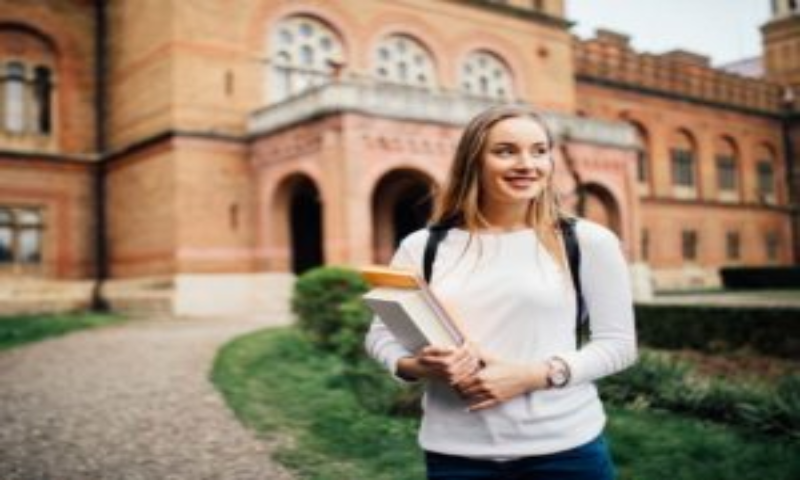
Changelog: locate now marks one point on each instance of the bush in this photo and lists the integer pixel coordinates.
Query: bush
(661, 382)
(772, 331)
(379, 393)
(333, 317)
(760, 277)
(322, 302)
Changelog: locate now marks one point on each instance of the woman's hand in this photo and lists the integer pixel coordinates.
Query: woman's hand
(452, 365)
(499, 381)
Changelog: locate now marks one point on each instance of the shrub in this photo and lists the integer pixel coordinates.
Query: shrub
(333, 317)
(379, 393)
(661, 382)
(354, 321)
(319, 299)
(772, 331)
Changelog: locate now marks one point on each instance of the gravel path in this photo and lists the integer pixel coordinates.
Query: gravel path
(129, 402)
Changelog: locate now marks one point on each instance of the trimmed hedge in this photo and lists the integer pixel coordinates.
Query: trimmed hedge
(659, 381)
(760, 277)
(773, 331)
(331, 314)
(323, 300)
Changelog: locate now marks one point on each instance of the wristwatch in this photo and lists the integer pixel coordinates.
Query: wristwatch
(558, 373)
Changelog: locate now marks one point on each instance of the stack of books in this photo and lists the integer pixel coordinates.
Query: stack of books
(409, 309)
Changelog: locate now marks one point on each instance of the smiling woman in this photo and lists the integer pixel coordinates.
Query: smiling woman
(517, 166)
(517, 400)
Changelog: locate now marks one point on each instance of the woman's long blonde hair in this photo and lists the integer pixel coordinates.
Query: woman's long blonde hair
(458, 202)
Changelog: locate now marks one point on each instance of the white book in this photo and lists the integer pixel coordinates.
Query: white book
(409, 309)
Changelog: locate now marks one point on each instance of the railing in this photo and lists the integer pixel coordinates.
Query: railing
(405, 102)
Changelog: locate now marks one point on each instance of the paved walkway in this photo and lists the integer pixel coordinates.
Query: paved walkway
(129, 402)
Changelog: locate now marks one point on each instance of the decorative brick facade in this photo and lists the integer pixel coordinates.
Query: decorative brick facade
(218, 166)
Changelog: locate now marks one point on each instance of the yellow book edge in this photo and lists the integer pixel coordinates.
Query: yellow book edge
(381, 276)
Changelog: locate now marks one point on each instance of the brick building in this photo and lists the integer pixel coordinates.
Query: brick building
(192, 156)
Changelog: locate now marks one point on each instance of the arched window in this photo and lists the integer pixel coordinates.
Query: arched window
(726, 156)
(20, 236)
(684, 159)
(304, 53)
(765, 174)
(402, 59)
(27, 82)
(484, 74)
(643, 153)
(14, 116)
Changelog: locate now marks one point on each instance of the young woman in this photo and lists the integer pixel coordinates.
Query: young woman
(518, 401)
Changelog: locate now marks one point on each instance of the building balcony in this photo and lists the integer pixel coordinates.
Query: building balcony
(409, 103)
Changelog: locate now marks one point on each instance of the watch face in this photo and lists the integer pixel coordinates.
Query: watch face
(558, 378)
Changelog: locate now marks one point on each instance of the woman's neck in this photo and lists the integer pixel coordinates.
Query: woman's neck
(506, 217)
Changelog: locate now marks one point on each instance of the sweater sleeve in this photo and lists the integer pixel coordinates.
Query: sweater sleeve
(607, 291)
(379, 342)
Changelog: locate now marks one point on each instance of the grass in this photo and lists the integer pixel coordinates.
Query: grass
(276, 383)
(21, 330)
(282, 388)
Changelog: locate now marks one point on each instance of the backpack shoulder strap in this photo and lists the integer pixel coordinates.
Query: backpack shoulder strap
(573, 249)
(437, 233)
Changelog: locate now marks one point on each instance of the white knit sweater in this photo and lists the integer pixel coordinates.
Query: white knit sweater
(517, 304)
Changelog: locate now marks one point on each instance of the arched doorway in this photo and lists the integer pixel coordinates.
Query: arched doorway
(601, 207)
(401, 204)
(299, 203)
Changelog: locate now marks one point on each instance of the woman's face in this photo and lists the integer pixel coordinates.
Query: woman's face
(516, 163)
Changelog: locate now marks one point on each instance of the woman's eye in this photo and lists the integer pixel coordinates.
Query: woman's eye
(503, 152)
(540, 151)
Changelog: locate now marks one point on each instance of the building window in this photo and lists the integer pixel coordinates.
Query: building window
(484, 74)
(14, 91)
(27, 104)
(726, 173)
(42, 89)
(304, 53)
(733, 243)
(689, 243)
(645, 245)
(682, 168)
(766, 178)
(402, 59)
(772, 246)
(642, 153)
(20, 236)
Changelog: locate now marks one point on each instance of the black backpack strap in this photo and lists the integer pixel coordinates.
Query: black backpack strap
(437, 234)
(574, 257)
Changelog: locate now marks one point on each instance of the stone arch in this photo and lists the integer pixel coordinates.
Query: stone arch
(601, 207)
(298, 209)
(401, 204)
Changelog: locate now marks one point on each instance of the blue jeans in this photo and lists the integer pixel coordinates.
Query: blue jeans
(586, 462)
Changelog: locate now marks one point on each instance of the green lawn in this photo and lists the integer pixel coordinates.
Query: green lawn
(19, 330)
(282, 388)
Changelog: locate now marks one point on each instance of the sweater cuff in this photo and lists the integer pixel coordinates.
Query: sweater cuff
(577, 371)
(391, 359)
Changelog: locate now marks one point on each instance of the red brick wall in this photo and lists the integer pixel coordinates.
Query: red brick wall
(63, 193)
